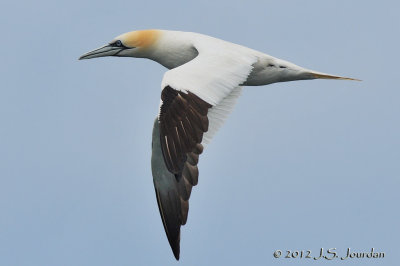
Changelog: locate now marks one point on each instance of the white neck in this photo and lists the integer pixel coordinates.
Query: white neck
(173, 49)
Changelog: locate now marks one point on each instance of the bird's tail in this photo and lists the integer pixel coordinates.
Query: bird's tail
(319, 75)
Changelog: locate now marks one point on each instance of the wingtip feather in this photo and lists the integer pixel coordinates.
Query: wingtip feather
(176, 253)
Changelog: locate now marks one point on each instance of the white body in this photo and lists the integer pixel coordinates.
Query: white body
(175, 48)
(215, 70)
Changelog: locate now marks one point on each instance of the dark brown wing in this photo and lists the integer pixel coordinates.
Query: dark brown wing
(173, 191)
(183, 121)
(177, 136)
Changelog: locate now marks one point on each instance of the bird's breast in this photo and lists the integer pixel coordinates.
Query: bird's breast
(174, 56)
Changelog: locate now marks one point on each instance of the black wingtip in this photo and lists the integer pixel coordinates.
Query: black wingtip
(175, 245)
(173, 234)
(176, 252)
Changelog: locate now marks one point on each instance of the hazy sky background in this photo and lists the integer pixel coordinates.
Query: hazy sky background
(297, 166)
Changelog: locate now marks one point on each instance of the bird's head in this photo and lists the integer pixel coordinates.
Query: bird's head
(130, 44)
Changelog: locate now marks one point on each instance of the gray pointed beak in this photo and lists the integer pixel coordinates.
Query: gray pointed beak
(105, 50)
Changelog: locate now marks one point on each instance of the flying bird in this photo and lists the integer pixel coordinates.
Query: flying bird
(204, 80)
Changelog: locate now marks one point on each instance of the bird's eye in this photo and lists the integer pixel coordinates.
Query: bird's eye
(117, 43)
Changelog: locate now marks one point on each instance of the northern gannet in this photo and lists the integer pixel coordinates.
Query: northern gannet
(204, 80)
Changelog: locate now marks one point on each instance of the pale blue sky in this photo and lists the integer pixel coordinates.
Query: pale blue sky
(299, 165)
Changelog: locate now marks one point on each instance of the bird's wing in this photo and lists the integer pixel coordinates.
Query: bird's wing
(183, 121)
(195, 100)
(214, 73)
(190, 90)
(219, 113)
(173, 191)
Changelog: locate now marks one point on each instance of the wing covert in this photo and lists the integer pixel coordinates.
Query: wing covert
(183, 121)
(214, 73)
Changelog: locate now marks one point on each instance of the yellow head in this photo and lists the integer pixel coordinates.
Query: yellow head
(140, 38)
(133, 44)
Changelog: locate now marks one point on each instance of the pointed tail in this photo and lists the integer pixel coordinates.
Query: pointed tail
(319, 75)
